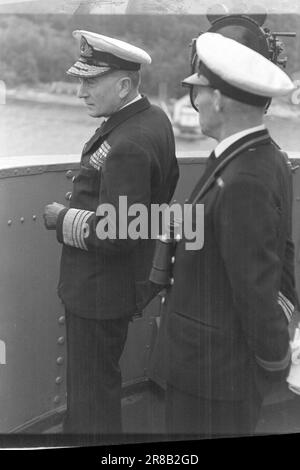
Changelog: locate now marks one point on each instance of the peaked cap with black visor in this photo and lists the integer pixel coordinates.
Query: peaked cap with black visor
(100, 55)
(248, 31)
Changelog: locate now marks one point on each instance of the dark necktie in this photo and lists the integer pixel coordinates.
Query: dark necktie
(212, 157)
(209, 167)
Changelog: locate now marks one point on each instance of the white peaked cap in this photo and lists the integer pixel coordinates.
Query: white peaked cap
(238, 66)
(100, 54)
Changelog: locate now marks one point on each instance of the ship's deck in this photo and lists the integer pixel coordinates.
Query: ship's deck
(144, 416)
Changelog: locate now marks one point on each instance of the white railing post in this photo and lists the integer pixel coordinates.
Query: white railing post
(2, 353)
(2, 92)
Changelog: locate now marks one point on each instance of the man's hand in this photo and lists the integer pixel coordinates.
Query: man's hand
(51, 213)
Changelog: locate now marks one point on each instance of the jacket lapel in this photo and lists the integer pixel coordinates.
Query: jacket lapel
(115, 120)
(209, 168)
(214, 169)
(124, 114)
(97, 137)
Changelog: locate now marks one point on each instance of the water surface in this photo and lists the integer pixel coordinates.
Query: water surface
(32, 128)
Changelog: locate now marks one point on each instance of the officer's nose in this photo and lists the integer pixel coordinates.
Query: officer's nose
(82, 90)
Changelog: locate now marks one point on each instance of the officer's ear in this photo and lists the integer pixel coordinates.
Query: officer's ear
(124, 85)
(217, 100)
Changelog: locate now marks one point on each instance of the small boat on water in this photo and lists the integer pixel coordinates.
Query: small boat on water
(185, 120)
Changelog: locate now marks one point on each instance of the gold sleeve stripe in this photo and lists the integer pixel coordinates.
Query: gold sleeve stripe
(74, 227)
(287, 306)
(274, 366)
(79, 229)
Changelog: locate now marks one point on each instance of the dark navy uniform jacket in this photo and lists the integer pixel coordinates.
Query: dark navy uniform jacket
(133, 155)
(228, 310)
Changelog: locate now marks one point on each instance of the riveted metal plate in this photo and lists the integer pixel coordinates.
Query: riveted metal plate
(32, 357)
(11, 167)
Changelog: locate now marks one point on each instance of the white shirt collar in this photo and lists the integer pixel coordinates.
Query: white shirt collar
(225, 143)
(138, 97)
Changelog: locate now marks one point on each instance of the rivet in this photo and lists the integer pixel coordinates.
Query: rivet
(58, 380)
(68, 195)
(22, 220)
(163, 300)
(9, 222)
(172, 281)
(60, 360)
(69, 174)
(61, 340)
(56, 399)
(173, 259)
(61, 320)
(34, 217)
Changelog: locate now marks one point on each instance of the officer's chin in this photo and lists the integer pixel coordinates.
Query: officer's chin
(92, 111)
(203, 128)
(206, 130)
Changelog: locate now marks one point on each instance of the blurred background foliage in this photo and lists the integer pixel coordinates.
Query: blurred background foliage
(37, 49)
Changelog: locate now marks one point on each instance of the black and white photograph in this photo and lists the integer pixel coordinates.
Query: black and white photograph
(150, 224)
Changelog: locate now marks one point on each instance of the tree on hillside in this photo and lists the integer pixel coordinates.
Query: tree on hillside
(35, 54)
(44, 48)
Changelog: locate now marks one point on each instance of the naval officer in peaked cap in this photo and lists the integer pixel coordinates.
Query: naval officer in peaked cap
(103, 281)
(228, 310)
